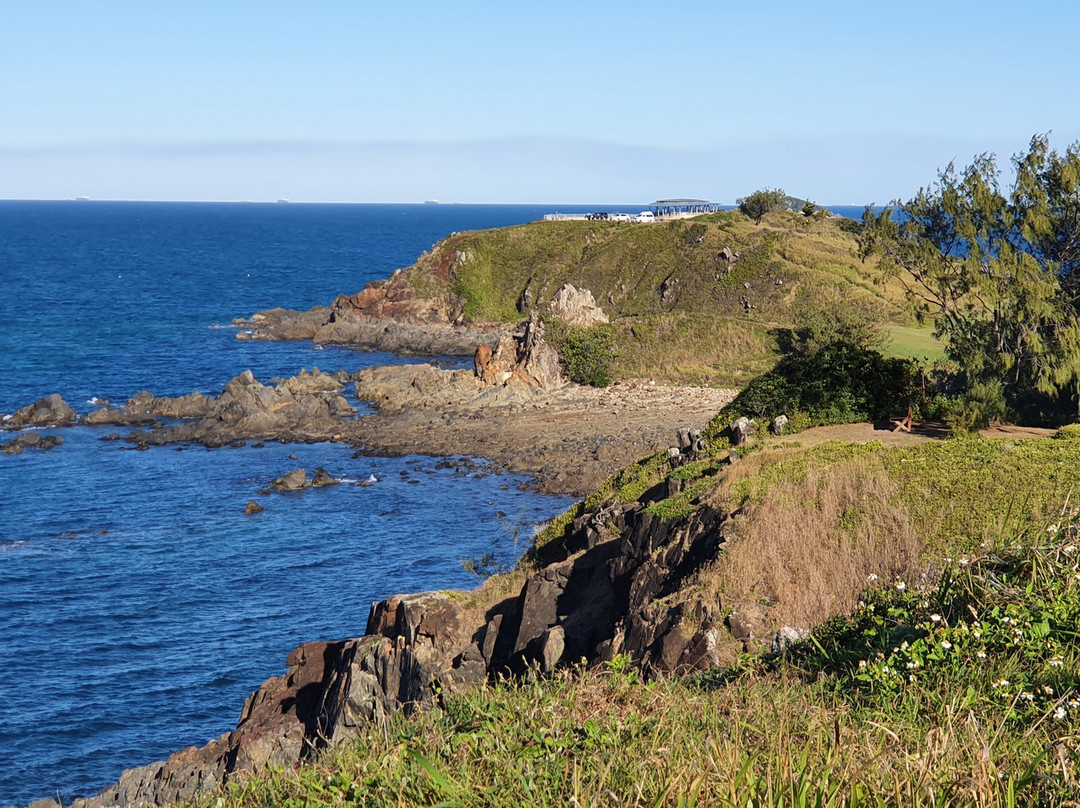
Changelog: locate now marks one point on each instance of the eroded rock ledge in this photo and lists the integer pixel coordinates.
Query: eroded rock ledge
(386, 315)
(602, 593)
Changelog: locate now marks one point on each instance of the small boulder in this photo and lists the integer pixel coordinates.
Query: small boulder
(322, 478)
(293, 481)
(253, 507)
(778, 424)
(787, 637)
(741, 430)
(747, 621)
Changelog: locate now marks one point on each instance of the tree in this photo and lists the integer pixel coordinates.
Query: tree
(998, 271)
(761, 202)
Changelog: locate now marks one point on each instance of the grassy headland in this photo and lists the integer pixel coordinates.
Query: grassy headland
(684, 308)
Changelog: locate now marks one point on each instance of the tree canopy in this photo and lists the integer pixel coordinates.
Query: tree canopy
(999, 271)
(761, 202)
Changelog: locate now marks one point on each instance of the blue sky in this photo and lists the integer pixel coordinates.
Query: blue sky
(841, 102)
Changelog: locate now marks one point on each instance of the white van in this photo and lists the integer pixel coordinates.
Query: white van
(645, 217)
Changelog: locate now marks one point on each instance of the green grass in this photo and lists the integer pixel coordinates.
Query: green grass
(910, 342)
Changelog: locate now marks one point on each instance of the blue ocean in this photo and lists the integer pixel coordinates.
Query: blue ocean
(139, 606)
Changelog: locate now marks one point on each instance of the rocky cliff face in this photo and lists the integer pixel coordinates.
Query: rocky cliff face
(616, 583)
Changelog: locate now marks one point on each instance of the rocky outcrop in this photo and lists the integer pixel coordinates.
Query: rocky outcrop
(49, 411)
(520, 357)
(615, 583)
(146, 408)
(297, 480)
(30, 440)
(306, 407)
(577, 307)
(385, 314)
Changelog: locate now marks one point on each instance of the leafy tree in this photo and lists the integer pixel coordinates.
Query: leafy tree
(999, 271)
(761, 202)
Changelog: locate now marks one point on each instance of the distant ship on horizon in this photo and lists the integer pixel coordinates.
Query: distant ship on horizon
(283, 200)
(434, 201)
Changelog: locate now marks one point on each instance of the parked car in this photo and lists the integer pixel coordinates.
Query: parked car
(645, 217)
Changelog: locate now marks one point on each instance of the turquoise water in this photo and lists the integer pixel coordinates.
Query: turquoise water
(139, 606)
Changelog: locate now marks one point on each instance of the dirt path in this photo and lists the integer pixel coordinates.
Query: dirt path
(921, 432)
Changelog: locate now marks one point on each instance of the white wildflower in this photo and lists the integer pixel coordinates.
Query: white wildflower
(936, 618)
(1059, 713)
(900, 586)
(946, 644)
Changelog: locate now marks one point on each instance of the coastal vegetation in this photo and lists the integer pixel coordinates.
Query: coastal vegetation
(998, 272)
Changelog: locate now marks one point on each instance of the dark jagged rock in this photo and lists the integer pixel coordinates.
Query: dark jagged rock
(31, 440)
(253, 507)
(322, 478)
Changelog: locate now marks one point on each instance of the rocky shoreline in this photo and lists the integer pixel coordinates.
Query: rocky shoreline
(514, 408)
(569, 440)
(600, 594)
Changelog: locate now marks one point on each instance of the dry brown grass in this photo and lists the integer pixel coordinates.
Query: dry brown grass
(808, 548)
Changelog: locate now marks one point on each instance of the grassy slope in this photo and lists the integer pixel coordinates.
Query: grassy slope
(701, 332)
(961, 688)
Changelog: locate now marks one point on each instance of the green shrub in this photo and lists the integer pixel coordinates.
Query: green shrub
(1068, 432)
(980, 404)
(839, 384)
(587, 354)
